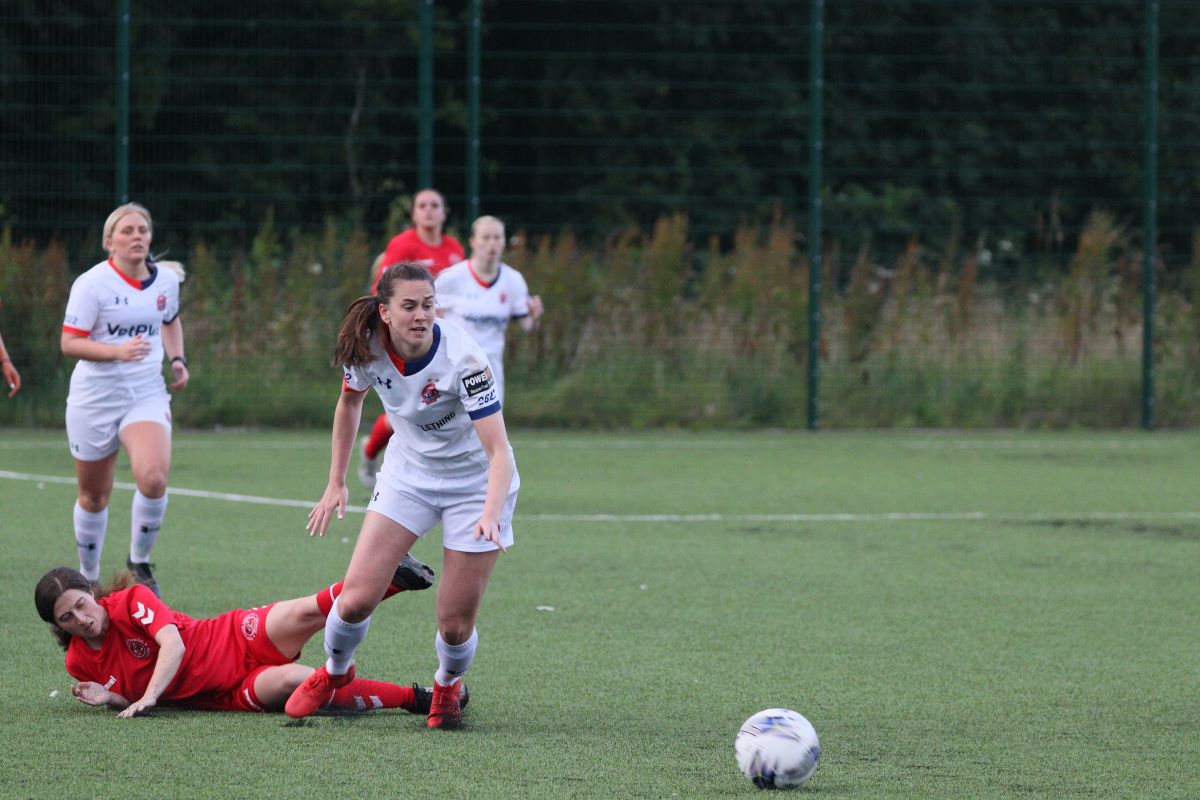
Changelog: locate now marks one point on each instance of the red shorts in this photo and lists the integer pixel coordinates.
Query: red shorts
(235, 651)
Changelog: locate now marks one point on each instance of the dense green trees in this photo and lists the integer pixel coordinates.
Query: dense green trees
(945, 121)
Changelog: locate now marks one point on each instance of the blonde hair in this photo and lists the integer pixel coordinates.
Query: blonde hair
(120, 211)
(486, 218)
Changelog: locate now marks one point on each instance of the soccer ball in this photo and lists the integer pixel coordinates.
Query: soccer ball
(777, 749)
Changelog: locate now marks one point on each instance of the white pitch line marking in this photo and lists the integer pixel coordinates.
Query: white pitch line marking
(895, 516)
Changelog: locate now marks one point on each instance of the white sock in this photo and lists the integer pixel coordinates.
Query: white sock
(341, 640)
(147, 515)
(89, 540)
(454, 659)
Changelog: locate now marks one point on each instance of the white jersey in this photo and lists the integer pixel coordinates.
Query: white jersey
(484, 309)
(108, 306)
(432, 402)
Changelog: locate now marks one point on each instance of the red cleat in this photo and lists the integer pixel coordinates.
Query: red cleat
(315, 692)
(445, 711)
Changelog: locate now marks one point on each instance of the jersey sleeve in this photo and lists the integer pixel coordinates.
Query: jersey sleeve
(145, 611)
(397, 251)
(476, 386)
(171, 312)
(446, 288)
(355, 379)
(519, 303)
(81, 669)
(83, 308)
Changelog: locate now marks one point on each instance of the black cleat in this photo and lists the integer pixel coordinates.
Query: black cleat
(143, 573)
(412, 575)
(423, 698)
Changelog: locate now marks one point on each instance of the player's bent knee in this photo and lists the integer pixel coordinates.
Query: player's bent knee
(93, 502)
(355, 607)
(152, 484)
(455, 631)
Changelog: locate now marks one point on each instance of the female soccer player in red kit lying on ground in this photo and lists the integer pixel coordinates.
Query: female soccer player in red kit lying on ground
(130, 651)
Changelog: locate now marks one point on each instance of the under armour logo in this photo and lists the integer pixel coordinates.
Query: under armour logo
(386, 382)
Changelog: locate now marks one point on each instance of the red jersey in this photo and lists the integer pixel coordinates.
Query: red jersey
(219, 654)
(408, 246)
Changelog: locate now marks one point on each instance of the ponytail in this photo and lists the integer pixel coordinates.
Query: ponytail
(354, 337)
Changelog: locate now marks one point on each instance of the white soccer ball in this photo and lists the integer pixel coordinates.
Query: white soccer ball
(777, 749)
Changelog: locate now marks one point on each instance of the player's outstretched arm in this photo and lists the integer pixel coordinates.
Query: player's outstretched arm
(346, 417)
(172, 338)
(170, 657)
(494, 438)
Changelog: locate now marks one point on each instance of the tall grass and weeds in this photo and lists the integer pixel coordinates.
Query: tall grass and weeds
(650, 328)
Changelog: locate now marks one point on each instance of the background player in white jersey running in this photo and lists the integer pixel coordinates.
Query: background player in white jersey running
(449, 461)
(483, 294)
(121, 319)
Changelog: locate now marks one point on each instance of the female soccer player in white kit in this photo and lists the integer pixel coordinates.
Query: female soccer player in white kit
(121, 318)
(483, 294)
(448, 461)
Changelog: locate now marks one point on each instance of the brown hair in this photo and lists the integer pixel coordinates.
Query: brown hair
(353, 347)
(58, 580)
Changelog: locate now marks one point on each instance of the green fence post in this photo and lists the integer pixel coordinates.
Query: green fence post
(122, 110)
(1149, 212)
(473, 89)
(815, 145)
(425, 98)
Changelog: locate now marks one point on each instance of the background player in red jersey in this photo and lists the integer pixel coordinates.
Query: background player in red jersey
(130, 651)
(426, 244)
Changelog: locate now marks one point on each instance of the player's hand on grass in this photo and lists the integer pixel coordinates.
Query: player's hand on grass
(140, 707)
(336, 498)
(489, 529)
(91, 693)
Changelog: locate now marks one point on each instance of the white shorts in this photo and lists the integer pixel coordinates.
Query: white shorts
(418, 499)
(94, 431)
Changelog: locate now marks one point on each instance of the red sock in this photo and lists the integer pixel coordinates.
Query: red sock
(365, 695)
(381, 431)
(325, 597)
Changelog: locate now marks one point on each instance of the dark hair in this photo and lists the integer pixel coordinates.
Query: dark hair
(58, 580)
(353, 347)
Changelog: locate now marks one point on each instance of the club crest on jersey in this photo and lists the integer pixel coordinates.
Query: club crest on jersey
(138, 648)
(478, 382)
(430, 393)
(503, 297)
(161, 302)
(250, 626)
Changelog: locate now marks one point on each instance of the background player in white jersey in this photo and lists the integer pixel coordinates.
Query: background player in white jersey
(483, 294)
(449, 461)
(122, 318)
